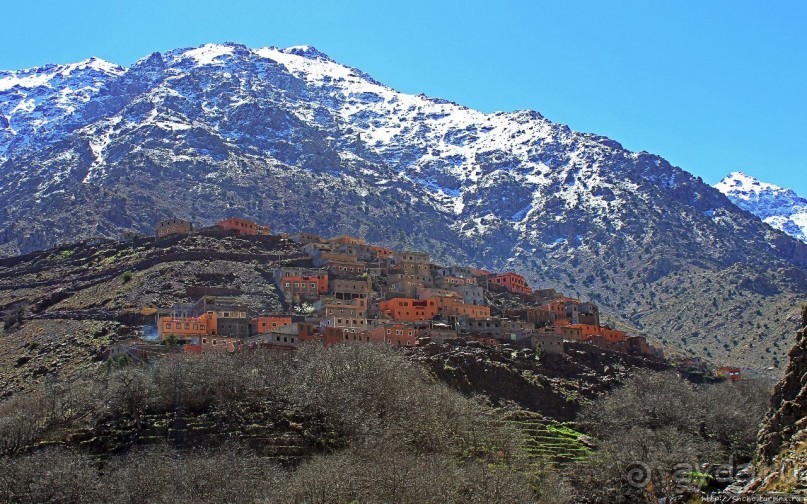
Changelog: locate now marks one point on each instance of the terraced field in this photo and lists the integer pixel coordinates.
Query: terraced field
(551, 441)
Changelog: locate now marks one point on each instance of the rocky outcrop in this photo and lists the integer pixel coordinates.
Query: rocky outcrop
(552, 385)
(782, 453)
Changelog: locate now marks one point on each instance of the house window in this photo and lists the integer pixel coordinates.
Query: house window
(168, 326)
(204, 341)
(214, 342)
(195, 327)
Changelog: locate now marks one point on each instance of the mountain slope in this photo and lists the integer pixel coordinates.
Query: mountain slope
(291, 138)
(782, 208)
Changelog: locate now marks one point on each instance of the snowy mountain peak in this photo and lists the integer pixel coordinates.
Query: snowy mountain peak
(779, 207)
(745, 186)
(307, 51)
(208, 53)
(31, 78)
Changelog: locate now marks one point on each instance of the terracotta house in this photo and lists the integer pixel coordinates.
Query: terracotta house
(409, 309)
(381, 252)
(513, 282)
(266, 324)
(184, 328)
(451, 306)
(396, 335)
(209, 316)
(243, 226)
(301, 283)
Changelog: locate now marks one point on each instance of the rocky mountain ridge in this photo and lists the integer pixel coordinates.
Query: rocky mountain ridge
(294, 139)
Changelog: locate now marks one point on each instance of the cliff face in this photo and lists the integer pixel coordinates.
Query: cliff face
(782, 455)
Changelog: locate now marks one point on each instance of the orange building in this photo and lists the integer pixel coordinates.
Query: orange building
(449, 306)
(513, 282)
(396, 335)
(261, 325)
(186, 327)
(301, 282)
(381, 252)
(308, 332)
(586, 332)
(243, 226)
(409, 309)
(613, 335)
(558, 308)
(480, 272)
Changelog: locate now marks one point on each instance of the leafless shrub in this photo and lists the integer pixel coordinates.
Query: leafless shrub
(50, 476)
(378, 474)
(163, 475)
(130, 390)
(732, 413)
(373, 392)
(658, 430)
(409, 438)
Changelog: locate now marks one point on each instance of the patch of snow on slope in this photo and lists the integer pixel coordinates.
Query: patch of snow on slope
(208, 53)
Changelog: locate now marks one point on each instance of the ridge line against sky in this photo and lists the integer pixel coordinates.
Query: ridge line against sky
(713, 87)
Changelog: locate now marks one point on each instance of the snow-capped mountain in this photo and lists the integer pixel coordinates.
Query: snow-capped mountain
(34, 100)
(781, 208)
(297, 140)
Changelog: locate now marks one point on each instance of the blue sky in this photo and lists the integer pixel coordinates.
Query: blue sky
(713, 86)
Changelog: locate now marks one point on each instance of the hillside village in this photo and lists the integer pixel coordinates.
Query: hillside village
(352, 291)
